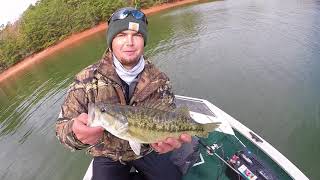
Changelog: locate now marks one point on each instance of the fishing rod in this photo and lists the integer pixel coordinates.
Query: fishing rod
(211, 150)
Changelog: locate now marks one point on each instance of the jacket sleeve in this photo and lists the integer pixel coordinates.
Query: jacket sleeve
(167, 95)
(74, 104)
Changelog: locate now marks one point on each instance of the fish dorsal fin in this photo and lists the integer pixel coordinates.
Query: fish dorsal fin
(183, 111)
(135, 146)
(159, 105)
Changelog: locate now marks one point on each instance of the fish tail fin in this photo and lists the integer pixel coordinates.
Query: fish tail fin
(207, 128)
(210, 127)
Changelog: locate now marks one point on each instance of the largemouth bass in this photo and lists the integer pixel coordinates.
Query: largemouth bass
(145, 125)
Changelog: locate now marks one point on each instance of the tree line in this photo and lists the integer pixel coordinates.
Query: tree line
(50, 21)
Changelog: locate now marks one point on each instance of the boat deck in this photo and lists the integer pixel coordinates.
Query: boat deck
(209, 165)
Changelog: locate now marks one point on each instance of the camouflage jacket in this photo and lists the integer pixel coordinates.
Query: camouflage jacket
(100, 83)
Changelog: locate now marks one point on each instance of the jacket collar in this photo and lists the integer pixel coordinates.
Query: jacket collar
(107, 69)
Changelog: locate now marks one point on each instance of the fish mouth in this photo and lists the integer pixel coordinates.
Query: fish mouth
(91, 113)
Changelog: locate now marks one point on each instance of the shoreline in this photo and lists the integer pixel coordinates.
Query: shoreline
(40, 56)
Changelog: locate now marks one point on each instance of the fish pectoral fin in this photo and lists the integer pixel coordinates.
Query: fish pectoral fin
(135, 146)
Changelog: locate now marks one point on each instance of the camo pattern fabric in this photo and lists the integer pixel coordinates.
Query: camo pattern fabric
(100, 83)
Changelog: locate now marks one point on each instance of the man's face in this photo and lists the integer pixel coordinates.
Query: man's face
(128, 47)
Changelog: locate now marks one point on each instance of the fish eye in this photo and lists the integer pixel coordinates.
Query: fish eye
(103, 109)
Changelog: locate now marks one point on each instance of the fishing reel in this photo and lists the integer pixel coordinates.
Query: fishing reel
(212, 149)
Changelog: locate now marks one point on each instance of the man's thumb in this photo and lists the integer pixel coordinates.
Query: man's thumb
(83, 117)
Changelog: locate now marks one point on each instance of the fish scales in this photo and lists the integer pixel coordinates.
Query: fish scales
(161, 120)
(153, 119)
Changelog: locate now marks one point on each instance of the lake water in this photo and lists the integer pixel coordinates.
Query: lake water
(258, 60)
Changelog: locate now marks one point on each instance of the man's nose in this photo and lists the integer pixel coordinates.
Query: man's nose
(129, 40)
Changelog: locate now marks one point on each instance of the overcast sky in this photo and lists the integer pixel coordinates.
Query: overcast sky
(10, 10)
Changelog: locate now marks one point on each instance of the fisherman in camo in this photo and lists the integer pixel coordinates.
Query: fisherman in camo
(122, 76)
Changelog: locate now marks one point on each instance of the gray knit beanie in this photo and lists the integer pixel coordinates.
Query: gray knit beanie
(128, 23)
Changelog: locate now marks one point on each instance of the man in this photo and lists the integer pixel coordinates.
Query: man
(121, 77)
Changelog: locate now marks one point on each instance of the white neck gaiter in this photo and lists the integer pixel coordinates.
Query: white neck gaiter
(126, 75)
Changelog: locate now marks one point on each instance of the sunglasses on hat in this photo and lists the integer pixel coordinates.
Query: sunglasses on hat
(125, 12)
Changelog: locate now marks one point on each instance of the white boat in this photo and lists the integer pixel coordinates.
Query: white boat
(233, 151)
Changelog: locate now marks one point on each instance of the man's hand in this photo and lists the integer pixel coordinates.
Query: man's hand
(170, 144)
(87, 135)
